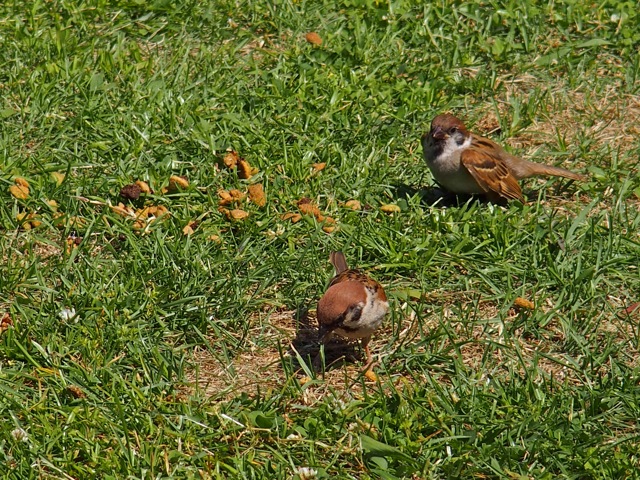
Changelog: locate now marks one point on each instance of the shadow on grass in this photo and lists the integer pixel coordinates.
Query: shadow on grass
(306, 346)
(437, 197)
(433, 196)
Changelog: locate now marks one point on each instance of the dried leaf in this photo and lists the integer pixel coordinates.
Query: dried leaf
(371, 376)
(390, 208)
(131, 192)
(318, 167)
(313, 38)
(190, 227)
(20, 192)
(309, 209)
(160, 211)
(231, 159)
(353, 204)
(294, 217)
(21, 182)
(632, 308)
(140, 224)
(144, 186)
(231, 196)
(58, 177)
(76, 392)
(244, 169)
(214, 238)
(520, 302)
(236, 214)
(122, 209)
(236, 194)
(256, 194)
(177, 183)
(35, 223)
(5, 322)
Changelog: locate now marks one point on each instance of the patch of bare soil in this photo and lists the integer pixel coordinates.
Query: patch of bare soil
(485, 342)
(273, 361)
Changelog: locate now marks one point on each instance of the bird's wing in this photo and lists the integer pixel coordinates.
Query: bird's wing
(491, 172)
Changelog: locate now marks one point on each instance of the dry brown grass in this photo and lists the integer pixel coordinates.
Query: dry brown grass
(261, 365)
(481, 342)
(488, 346)
(613, 116)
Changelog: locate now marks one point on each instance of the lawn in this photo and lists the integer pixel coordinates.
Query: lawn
(167, 329)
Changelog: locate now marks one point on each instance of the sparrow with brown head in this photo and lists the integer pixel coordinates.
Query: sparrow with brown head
(353, 306)
(463, 162)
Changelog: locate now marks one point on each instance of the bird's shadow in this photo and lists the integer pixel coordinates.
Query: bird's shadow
(433, 196)
(440, 198)
(306, 347)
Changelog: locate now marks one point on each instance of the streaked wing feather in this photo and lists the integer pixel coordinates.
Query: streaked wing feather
(491, 173)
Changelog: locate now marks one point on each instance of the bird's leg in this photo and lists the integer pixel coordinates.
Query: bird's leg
(370, 363)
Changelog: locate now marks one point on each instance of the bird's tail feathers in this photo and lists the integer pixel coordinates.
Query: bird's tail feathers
(523, 169)
(338, 261)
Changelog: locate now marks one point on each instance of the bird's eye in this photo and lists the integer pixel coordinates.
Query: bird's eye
(453, 130)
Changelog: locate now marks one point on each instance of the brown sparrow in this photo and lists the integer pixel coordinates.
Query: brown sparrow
(463, 162)
(353, 305)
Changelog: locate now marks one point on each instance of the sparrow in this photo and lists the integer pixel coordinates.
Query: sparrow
(463, 162)
(353, 306)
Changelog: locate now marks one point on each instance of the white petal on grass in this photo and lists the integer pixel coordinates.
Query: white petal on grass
(306, 473)
(19, 435)
(68, 314)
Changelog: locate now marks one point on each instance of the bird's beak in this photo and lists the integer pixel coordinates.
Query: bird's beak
(438, 133)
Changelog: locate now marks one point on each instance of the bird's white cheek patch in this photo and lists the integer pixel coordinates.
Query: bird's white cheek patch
(451, 147)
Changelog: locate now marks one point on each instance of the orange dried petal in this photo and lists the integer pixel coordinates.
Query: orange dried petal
(294, 217)
(144, 186)
(353, 204)
(236, 214)
(21, 182)
(231, 159)
(313, 38)
(58, 177)
(177, 183)
(371, 375)
(256, 194)
(20, 192)
(5, 322)
(236, 194)
(391, 208)
(523, 303)
(244, 169)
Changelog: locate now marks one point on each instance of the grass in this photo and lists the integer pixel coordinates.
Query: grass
(186, 355)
